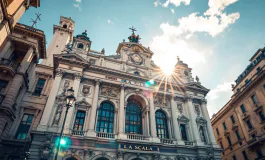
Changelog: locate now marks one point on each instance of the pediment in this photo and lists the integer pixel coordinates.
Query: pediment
(73, 57)
(201, 120)
(134, 47)
(83, 102)
(196, 86)
(183, 118)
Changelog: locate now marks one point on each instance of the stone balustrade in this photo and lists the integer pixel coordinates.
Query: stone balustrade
(77, 132)
(166, 141)
(188, 143)
(10, 64)
(105, 135)
(137, 137)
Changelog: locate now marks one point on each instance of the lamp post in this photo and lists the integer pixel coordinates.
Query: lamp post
(70, 98)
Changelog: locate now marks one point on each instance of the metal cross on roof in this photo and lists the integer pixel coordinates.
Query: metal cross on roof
(34, 22)
(133, 29)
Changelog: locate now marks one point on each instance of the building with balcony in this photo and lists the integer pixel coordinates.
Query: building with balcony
(125, 109)
(239, 127)
(10, 13)
(18, 59)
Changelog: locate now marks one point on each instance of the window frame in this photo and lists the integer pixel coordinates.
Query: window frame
(249, 124)
(137, 116)
(34, 93)
(106, 118)
(79, 118)
(254, 99)
(186, 133)
(262, 118)
(80, 44)
(245, 155)
(237, 135)
(232, 119)
(217, 131)
(243, 109)
(229, 141)
(161, 132)
(224, 126)
(20, 127)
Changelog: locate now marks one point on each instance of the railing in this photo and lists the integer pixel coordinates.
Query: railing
(166, 141)
(105, 135)
(1, 98)
(188, 143)
(137, 137)
(9, 63)
(78, 133)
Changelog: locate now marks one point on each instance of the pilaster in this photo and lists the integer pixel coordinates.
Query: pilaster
(194, 128)
(152, 119)
(50, 102)
(175, 121)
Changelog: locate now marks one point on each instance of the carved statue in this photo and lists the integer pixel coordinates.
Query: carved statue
(158, 100)
(197, 79)
(180, 108)
(197, 109)
(109, 92)
(202, 135)
(103, 51)
(60, 103)
(86, 89)
(66, 84)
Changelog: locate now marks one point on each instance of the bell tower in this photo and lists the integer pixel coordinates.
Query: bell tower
(62, 35)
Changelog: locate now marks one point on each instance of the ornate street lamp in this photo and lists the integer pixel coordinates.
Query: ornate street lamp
(70, 99)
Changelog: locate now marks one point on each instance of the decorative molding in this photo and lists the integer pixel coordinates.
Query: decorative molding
(59, 73)
(183, 119)
(78, 76)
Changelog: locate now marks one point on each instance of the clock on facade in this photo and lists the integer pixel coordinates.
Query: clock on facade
(136, 59)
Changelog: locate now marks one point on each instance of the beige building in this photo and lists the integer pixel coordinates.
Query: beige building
(239, 127)
(18, 58)
(10, 13)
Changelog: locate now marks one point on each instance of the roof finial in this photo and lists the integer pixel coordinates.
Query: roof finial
(133, 29)
(178, 58)
(85, 31)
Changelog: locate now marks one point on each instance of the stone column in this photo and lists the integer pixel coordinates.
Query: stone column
(193, 116)
(175, 121)
(147, 123)
(50, 102)
(91, 125)
(70, 116)
(121, 111)
(169, 128)
(209, 126)
(152, 116)
(152, 119)
(26, 60)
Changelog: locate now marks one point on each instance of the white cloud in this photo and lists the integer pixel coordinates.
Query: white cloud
(216, 7)
(172, 10)
(109, 21)
(176, 2)
(78, 1)
(78, 4)
(218, 97)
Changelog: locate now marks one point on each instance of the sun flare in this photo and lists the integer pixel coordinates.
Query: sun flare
(168, 69)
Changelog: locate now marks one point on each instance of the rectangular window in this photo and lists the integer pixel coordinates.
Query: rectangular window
(261, 116)
(237, 135)
(229, 141)
(183, 132)
(249, 124)
(234, 157)
(217, 131)
(245, 155)
(39, 86)
(242, 107)
(221, 145)
(254, 99)
(79, 120)
(232, 119)
(24, 126)
(224, 125)
(259, 153)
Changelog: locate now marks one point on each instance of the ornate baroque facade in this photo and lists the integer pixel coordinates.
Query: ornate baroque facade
(240, 125)
(122, 112)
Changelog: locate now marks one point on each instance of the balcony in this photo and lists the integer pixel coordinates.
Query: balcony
(166, 141)
(188, 143)
(137, 137)
(7, 64)
(105, 135)
(77, 132)
(258, 140)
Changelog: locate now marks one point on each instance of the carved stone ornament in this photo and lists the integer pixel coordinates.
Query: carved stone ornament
(47, 146)
(120, 154)
(179, 157)
(156, 156)
(59, 72)
(109, 91)
(180, 108)
(197, 109)
(66, 84)
(60, 100)
(78, 75)
(160, 101)
(183, 119)
(201, 121)
(86, 89)
(83, 104)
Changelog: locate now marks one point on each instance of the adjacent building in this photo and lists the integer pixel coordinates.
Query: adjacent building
(10, 13)
(239, 127)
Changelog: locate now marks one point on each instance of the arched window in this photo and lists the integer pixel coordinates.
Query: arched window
(161, 124)
(79, 120)
(105, 118)
(64, 26)
(71, 158)
(80, 45)
(137, 73)
(133, 123)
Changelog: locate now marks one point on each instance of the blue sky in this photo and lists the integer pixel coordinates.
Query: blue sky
(216, 38)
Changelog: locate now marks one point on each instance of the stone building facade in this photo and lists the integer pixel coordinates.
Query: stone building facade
(10, 13)
(124, 109)
(18, 58)
(239, 127)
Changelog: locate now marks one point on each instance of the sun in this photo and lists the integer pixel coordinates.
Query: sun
(168, 69)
